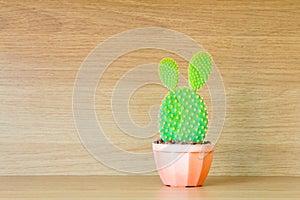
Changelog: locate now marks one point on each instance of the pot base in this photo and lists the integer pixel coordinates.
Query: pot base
(183, 168)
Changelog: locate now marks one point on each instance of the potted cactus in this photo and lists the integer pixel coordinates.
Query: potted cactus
(182, 155)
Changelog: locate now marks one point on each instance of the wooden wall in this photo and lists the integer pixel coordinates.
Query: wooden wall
(255, 45)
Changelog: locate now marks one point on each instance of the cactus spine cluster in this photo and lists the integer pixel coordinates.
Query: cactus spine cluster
(183, 115)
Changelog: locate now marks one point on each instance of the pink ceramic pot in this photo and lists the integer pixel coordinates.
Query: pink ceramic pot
(183, 165)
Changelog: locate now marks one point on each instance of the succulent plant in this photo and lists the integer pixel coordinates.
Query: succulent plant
(183, 115)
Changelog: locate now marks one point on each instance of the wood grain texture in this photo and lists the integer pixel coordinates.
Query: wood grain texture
(255, 45)
(145, 187)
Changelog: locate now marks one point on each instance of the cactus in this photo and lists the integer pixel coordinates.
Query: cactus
(183, 115)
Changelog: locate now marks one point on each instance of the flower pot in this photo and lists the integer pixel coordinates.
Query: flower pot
(183, 164)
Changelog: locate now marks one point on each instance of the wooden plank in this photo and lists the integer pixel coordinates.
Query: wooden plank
(255, 45)
(145, 187)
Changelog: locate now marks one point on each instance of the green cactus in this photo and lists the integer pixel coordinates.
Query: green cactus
(183, 115)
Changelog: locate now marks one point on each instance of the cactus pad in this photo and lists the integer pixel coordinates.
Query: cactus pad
(183, 116)
(168, 72)
(199, 69)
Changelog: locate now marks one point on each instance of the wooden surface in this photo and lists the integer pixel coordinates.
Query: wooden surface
(146, 187)
(255, 45)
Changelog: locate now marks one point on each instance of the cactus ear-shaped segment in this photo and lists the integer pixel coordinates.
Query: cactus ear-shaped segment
(199, 69)
(168, 72)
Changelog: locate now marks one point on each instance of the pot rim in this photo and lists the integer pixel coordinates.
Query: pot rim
(183, 148)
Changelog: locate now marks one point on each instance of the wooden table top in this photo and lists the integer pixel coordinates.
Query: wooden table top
(145, 187)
